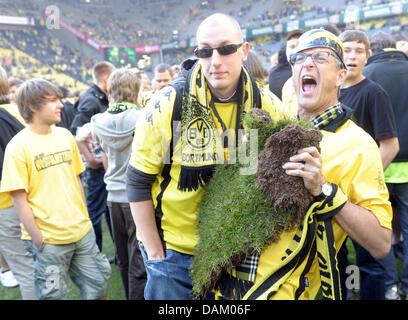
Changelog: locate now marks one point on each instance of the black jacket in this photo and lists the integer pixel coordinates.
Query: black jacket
(390, 70)
(67, 115)
(280, 73)
(91, 102)
(9, 127)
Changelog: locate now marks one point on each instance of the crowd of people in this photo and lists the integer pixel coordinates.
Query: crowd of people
(55, 53)
(162, 22)
(140, 152)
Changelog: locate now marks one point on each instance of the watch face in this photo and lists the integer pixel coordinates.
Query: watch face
(327, 189)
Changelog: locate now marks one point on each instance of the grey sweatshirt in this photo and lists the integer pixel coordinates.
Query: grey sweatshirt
(114, 132)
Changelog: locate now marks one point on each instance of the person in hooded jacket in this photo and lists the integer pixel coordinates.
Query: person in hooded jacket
(114, 130)
(279, 74)
(94, 100)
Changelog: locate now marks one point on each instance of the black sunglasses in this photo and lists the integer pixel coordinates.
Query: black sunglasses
(223, 50)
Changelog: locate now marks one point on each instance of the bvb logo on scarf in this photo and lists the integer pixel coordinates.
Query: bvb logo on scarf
(202, 144)
(199, 139)
(199, 134)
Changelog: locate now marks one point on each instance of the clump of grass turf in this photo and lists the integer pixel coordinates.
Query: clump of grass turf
(236, 216)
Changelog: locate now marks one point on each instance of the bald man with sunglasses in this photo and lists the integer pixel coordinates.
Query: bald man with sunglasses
(167, 171)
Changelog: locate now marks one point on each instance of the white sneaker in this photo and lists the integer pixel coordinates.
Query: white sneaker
(392, 293)
(7, 279)
(402, 294)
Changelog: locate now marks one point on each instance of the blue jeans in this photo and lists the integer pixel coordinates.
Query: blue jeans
(96, 202)
(399, 199)
(168, 278)
(372, 275)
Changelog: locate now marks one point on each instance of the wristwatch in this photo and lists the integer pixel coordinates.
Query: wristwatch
(327, 190)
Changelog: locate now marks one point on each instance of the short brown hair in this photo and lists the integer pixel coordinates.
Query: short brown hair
(332, 28)
(102, 69)
(380, 40)
(33, 94)
(294, 34)
(15, 82)
(163, 67)
(355, 35)
(123, 86)
(4, 87)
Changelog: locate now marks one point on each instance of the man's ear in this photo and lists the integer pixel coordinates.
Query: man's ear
(103, 83)
(341, 77)
(245, 49)
(34, 110)
(106, 79)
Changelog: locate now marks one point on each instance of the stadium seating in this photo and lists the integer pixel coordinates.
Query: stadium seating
(139, 22)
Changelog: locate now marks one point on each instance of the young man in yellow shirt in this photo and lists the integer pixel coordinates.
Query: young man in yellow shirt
(41, 172)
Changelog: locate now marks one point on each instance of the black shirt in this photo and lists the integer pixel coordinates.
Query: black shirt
(372, 108)
(93, 101)
(279, 74)
(9, 127)
(67, 115)
(390, 70)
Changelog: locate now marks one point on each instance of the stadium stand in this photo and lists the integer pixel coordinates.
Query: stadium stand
(25, 66)
(137, 22)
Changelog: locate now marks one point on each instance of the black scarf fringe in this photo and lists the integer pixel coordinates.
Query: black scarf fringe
(233, 288)
(191, 178)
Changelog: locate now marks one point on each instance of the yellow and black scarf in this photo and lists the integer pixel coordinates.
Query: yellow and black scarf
(314, 237)
(117, 107)
(202, 145)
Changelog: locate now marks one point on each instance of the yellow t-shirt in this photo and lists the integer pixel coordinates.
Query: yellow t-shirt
(351, 160)
(6, 201)
(46, 167)
(176, 211)
(289, 98)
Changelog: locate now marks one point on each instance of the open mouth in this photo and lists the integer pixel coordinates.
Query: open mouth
(308, 84)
